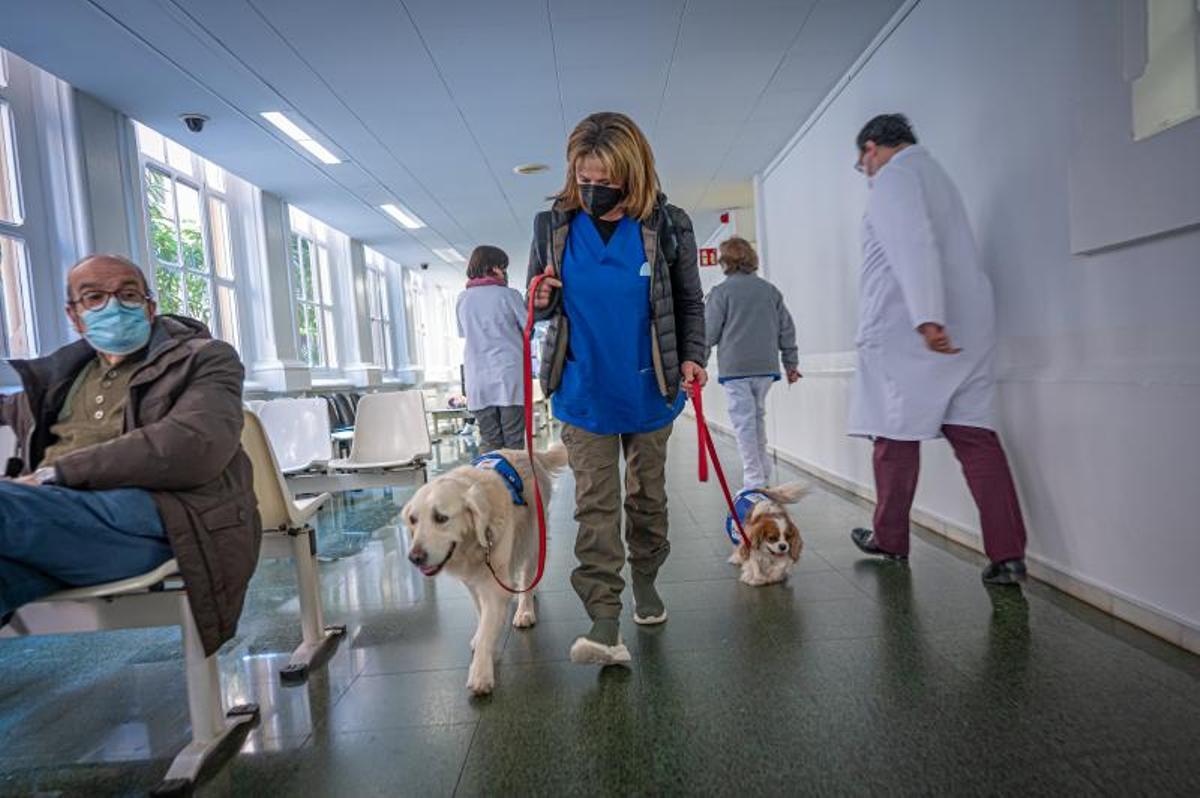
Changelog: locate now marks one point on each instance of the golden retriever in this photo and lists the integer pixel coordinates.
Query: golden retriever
(465, 523)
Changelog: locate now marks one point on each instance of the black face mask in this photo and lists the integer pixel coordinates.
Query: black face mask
(599, 200)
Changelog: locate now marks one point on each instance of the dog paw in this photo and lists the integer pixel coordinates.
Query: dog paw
(524, 619)
(475, 641)
(481, 680)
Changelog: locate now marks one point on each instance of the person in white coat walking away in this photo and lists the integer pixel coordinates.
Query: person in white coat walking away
(926, 344)
(746, 320)
(491, 317)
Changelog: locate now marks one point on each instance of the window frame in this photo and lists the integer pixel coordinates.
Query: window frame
(379, 311)
(198, 178)
(18, 121)
(322, 305)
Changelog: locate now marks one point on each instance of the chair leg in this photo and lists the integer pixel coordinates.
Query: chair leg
(317, 637)
(211, 725)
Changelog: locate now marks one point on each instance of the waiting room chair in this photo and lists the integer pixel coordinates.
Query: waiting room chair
(8, 447)
(287, 534)
(156, 598)
(298, 430)
(390, 434)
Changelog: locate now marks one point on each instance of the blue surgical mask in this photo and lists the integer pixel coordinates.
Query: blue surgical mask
(115, 329)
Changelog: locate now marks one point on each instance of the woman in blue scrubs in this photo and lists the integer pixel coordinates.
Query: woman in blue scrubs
(625, 343)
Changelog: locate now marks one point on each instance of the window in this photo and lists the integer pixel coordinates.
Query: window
(312, 274)
(380, 311)
(414, 316)
(443, 347)
(1168, 91)
(189, 234)
(16, 310)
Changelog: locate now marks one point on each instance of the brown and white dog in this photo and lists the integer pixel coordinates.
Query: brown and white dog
(775, 542)
(466, 522)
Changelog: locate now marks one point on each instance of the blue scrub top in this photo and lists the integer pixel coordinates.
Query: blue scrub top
(608, 385)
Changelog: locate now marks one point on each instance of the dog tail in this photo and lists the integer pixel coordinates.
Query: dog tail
(552, 460)
(788, 493)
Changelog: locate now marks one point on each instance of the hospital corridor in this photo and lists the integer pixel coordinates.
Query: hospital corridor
(546, 397)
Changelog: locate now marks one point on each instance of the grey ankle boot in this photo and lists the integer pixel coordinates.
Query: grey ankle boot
(648, 606)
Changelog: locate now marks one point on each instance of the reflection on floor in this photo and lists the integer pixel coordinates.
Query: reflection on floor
(854, 677)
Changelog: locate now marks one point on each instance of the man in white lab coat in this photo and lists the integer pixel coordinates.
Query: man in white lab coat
(926, 341)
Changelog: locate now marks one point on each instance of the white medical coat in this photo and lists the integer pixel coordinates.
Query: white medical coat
(492, 320)
(920, 264)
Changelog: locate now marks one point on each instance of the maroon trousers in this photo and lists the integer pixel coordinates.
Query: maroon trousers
(986, 469)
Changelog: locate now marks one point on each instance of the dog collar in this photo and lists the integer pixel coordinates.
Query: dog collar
(496, 462)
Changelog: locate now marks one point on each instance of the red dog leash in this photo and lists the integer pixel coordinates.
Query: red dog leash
(708, 447)
(537, 488)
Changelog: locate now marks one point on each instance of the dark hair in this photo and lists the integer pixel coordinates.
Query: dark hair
(887, 130)
(485, 258)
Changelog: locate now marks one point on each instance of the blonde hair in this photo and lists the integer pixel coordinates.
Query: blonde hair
(614, 140)
(736, 255)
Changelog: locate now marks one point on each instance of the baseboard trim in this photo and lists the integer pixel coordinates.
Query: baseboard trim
(1149, 619)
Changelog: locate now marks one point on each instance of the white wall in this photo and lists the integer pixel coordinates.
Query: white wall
(1099, 363)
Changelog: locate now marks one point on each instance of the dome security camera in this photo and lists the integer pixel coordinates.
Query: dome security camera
(193, 122)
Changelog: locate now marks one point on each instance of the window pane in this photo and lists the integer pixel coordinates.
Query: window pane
(191, 238)
(180, 157)
(377, 342)
(372, 293)
(326, 288)
(390, 362)
(294, 259)
(330, 341)
(198, 299)
(214, 176)
(303, 337)
(160, 203)
(222, 245)
(169, 288)
(227, 307)
(10, 195)
(151, 143)
(16, 335)
(1168, 91)
(306, 271)
(385, 310)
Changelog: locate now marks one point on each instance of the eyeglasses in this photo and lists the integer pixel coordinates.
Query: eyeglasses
(94, 298)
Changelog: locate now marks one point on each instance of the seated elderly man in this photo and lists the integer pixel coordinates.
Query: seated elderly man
(130, 446)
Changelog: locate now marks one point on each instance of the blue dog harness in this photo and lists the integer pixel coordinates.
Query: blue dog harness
(496, 462)
(743, 504)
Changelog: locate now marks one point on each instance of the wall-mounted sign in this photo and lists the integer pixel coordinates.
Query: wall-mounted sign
(708, 256)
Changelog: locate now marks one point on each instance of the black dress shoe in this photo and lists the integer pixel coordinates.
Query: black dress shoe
(865, 540)
(1009, 572)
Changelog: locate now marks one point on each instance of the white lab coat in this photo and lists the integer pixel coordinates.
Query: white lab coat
(920, 264)
(492, 319)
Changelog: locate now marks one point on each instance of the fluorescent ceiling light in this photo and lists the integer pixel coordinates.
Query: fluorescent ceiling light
(406, 218)
(323, 155)
(297, 134)
(450, 255)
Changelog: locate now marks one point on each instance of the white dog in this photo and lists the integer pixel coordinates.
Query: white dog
(775, 542)
(467, 522)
